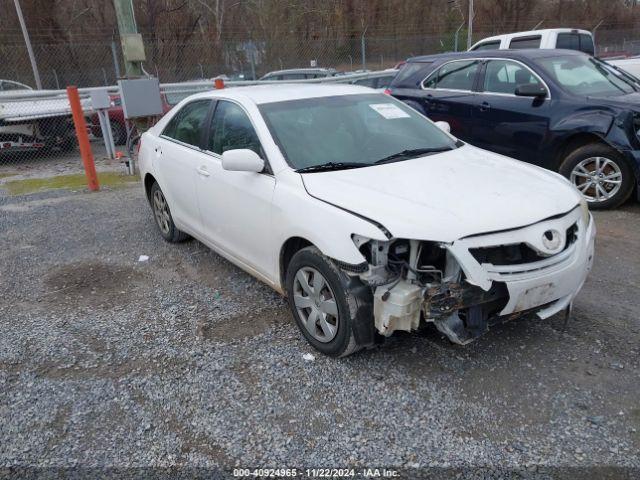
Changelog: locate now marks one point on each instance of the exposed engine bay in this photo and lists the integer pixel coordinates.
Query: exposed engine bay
(414, 280)
(466, 286)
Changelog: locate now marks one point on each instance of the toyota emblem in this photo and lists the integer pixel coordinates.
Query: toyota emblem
(551, 239)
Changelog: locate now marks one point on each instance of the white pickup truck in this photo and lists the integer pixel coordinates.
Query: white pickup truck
(566, 38)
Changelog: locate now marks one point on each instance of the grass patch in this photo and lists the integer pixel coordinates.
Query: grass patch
(73, 182)
(5, 175)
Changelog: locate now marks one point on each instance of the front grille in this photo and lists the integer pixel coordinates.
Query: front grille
(517, 253)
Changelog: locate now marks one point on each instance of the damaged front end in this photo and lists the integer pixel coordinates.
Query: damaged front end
(465, 286)
(416, 281)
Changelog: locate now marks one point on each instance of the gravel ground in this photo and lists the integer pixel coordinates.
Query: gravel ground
(46, 164)
(185, 360)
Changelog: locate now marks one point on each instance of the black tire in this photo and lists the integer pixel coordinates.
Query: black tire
(617, 164)
(344, 342)
(416, 106)
(119, 133)
(69, 144)
(167, 228)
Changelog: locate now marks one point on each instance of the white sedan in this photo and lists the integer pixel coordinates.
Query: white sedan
(365, 214)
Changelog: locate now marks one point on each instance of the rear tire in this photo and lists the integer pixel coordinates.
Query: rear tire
(119, 133)
(163, 218)
(317, 292)
(601, 174)
(69, 144)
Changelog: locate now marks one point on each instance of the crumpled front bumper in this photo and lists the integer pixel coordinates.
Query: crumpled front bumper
(550, 284)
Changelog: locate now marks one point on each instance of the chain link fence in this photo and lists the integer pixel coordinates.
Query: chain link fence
(46, 136)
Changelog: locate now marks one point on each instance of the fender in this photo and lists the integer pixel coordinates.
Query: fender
(326, 226)
(589, 121)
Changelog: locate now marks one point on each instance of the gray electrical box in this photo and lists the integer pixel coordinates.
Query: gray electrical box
(140, 97)
(100, 99)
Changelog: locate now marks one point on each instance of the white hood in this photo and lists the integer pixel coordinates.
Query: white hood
(447, 196)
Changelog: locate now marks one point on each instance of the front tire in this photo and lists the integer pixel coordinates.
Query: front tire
(317, 291)
(162, 216)
(601, 175)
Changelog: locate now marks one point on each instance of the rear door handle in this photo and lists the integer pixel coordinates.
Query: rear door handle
(485, 106)
(203, 172)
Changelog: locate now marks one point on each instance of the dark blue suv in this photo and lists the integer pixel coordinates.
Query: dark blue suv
(560, 109)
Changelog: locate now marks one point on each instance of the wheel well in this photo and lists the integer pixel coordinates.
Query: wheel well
(574, 142)
(148, 182)
(288, 250)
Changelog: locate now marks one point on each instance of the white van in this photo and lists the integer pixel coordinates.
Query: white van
(567, 38)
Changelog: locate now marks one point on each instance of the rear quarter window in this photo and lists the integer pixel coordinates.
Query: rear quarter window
(568, 41)
(411, 74)
(518, 43)
(494, 45)
(581, 42)
(586, 44)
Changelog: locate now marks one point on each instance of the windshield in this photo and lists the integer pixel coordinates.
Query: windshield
(350, 129)
(585, 76)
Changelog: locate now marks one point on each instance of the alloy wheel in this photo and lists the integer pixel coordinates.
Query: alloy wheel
(597, 178)
(316, 304)
(161, 212)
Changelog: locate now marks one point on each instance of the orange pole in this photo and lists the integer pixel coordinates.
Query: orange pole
(83, 138)
(219, 83)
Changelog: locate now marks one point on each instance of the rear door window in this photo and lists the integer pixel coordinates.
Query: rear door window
(294, 76)
(494, 45)
(518, 43)
(186, 126)
(503, 76)
(459, 75)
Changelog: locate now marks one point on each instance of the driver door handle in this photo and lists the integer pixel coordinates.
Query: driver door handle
(485, 106)
(203, 171)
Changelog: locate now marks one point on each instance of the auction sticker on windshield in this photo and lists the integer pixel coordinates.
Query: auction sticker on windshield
(389, 110)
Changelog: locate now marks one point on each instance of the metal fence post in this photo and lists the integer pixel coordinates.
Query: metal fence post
(114, 54)
(253, 65)
(363, 50)
(470, 28)
(456, 37)
(27, 40)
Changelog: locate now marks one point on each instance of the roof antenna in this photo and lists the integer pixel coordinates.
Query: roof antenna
(538, 24)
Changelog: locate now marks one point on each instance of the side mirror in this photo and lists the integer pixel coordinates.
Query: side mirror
(530, 90)
(242, 160)
(444, 126)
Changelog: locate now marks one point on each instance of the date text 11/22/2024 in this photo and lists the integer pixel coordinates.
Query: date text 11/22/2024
(315, 473)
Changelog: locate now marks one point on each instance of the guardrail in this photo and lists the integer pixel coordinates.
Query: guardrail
(199, 86)
(17, 95)
(32, 119)
(25, 105)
